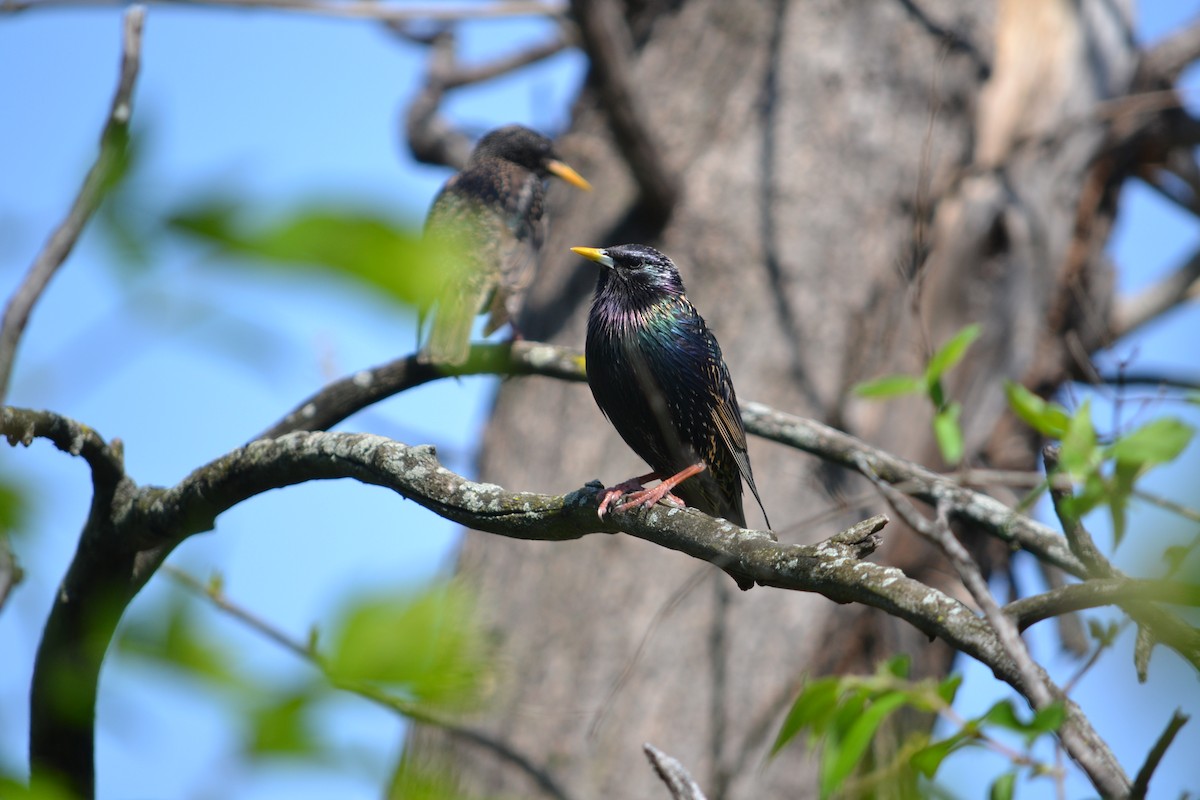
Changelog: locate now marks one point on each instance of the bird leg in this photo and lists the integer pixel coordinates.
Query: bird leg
(648, 497)
(614, 492)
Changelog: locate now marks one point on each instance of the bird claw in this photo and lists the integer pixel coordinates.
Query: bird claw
(616, 492)
(649, 497)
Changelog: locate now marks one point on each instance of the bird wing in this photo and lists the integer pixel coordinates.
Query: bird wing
(519, 251)
(465, 237)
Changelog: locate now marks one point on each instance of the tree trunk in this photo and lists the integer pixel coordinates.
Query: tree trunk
(846, 204)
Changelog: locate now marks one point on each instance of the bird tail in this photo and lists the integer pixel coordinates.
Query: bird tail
(450, 335)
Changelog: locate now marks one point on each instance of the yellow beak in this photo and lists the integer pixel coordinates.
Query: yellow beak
(569, 175)
(594, 254)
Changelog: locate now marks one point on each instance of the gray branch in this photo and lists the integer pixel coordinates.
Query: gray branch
(99, 178)
(673, 774)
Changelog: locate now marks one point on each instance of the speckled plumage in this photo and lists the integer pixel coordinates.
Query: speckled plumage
(487, 225)
(657, 373)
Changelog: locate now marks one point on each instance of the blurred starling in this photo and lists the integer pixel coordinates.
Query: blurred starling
(657, 373)
(487, 223)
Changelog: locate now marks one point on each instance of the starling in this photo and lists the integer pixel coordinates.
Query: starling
(486, 225)
(657, 373)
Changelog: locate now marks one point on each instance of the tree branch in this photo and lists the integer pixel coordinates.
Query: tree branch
(1086, 747)
(605, 39)
(1141, 784)
(132, 529)
(113, 139)
(308, 653)
(347, 9)
(673, 774)
(1180, 286)
(1096, 592)
(431, 138)
(1167, 58)
(347, 395)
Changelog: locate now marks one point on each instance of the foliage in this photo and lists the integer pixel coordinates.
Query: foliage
(845, 716)
(348, 244)
(412, 652)
(946, 428)
(1105, 473)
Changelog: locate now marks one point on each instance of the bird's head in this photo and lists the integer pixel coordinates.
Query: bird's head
(636, 267)
(529, 149)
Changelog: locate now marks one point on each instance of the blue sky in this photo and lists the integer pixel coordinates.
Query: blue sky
(288, 109)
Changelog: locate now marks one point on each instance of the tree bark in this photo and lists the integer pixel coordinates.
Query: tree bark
(852, 190)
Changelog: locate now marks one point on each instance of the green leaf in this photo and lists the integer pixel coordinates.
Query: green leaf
(1120, 488)
(282, 726)
(948, 433)
(13, 509)
(1004, 715)
(427, 645)
(357, 245)
(1048, 419)
(838, 762)
(1104, 633)
(1003, 787)
(813, 708)
(1156, 442)
(951, 353)
(948, 689)
(890, 386)
(929, 759)
(896, 666)
(176, 639)
(1048, 719)
(1080, 455)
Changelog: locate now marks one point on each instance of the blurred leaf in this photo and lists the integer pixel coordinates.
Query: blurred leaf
(840, 759)
(357, 245)
(948, 688)
(1156, 442)
(948, 433)
(896, 666)
(1003, 787)
(1004, 715)
(1174, 556)
(890, 386)
(1104, 633)
(282, 726)
(1080, 455)
(929, 759)
(813, 708)
(1119, 490)
(12, 507)
(42, 788)
(951, 353)
(175, 639)
(428, 645)
(1048, 419)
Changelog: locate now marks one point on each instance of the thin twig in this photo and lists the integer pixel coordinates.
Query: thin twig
(673, 774)
(212, 592)
(1098, 592)
(350, 9)
(1077, 734)
(1179, 287)
(1141, 784)
(113, 139)
(1165, 59)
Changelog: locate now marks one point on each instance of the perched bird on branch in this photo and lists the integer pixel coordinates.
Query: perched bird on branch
(486, 229)
(657, 373)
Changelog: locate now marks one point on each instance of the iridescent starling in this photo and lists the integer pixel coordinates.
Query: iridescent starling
(486, 222)
(657, 373)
